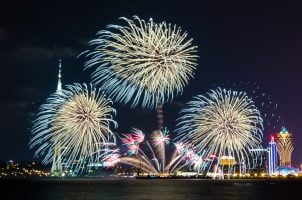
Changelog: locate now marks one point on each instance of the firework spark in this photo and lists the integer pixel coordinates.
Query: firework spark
(132, 141)
(268, 107)
(110, 157)
(151, 160)
(223, 123)
(160, 137)
(76, 120)
(142, 62)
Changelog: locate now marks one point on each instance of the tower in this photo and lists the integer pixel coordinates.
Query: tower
(57, 168)
(284, 147)
(272, 156)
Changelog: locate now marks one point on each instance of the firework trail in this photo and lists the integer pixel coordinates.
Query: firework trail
(142, 62)
(159, 140)
(151, 159)
(222, 123)
(76, 120)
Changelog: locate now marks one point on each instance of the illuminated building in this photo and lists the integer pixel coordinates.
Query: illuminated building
(284, 147)
(13, 169)
(227, 160)
(287, 171)
(57, 168)
(272, 157)
(258, 161)
(227, 165)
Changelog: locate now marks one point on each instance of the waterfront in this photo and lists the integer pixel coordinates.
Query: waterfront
(95, 189)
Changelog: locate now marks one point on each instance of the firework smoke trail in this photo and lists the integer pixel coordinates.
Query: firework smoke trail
(77, 120)
(223, 123)
(143, 62)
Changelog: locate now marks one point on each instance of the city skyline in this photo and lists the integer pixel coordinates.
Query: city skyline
(261, 47)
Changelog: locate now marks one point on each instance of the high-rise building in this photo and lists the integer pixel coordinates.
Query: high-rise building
(284, 147)
(272, 156)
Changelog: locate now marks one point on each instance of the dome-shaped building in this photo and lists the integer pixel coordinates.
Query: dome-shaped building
(287, 171)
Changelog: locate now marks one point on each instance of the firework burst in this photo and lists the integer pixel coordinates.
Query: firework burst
(150, 157)
(268, 107)
(142, 62)
(223, 123)
(76, 120)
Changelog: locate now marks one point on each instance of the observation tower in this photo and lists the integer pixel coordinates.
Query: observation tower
(57, 168)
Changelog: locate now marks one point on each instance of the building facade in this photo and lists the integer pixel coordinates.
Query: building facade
(284, 147)
(272, 157)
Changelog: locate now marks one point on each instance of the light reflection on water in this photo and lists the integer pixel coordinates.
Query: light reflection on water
(87, 189)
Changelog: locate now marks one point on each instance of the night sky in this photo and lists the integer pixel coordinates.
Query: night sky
(239, 42)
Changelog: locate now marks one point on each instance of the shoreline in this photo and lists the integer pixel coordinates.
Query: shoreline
(59, 179)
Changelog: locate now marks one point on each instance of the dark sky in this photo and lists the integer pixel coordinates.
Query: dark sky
(251, 41)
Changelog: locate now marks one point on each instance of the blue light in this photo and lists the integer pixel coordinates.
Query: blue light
(272, 157)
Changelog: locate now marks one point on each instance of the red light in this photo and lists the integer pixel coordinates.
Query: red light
(212, 156)
(273, 138)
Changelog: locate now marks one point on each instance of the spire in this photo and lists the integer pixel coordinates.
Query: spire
(59, 86)
(57, 168)
(283, 130)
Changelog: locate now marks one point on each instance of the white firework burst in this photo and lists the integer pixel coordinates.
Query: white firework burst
(77, 120)
(142, 62)
(223, 123)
